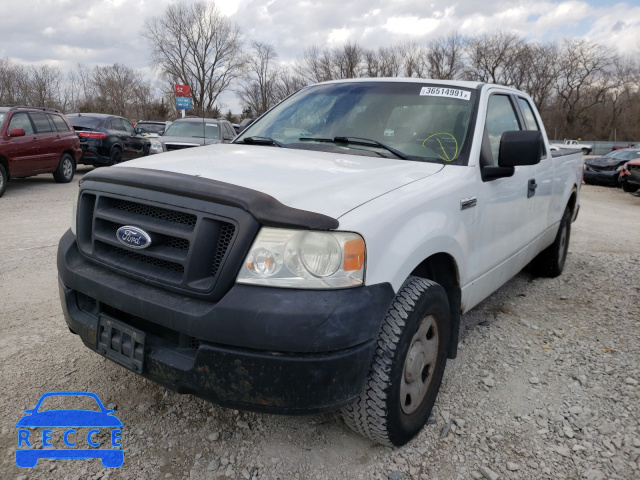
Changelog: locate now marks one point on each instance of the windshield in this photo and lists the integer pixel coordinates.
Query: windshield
(624, 154)
(422, 122)
(193, 129)
(84, 121)
(151, 127)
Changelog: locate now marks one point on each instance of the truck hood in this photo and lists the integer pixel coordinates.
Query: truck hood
(328, 183)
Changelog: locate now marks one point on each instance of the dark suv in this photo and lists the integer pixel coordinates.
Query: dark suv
(107, 139)
(36, 140)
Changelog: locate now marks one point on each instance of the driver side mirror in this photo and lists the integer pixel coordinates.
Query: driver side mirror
(520, 147)
(17, 132)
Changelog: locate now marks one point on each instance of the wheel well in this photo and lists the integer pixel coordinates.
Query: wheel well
(70, 153)
(5, 164)
(442, 269)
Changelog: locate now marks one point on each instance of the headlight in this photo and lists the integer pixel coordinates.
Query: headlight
(304, 259)
(74, 216)
(156, 146)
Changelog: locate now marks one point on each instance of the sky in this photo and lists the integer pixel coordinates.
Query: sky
(104, 32)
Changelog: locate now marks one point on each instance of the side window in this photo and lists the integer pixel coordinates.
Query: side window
(21, 120)
(116, 124)
(529, 117)
(501, 117)
(41, 123)
(60, 124)
(127, 126)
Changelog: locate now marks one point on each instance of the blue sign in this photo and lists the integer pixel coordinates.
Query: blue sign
(183, 103)
(27, 455)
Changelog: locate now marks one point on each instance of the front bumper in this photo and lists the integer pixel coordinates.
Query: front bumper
(608, 177)
(264, 349)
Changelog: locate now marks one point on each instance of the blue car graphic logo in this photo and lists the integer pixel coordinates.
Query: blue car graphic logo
(69, 420)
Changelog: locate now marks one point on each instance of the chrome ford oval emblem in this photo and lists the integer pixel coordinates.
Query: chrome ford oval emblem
(133, 237)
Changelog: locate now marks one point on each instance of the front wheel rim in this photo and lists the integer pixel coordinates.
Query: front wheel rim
(420, 365)
(67, 169)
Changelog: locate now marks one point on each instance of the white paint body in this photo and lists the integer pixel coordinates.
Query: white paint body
(407, 211)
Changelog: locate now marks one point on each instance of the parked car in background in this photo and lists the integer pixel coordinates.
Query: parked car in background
(107, 139)
(575, 145)
(605, 170)
(195, 132)
(630, 176)
(151, 127)
(631, 145)
(36, 140)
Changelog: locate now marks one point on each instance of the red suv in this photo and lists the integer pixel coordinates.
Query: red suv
(36, 140)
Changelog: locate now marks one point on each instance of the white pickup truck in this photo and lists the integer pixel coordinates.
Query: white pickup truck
(586, 148)
(324, 258)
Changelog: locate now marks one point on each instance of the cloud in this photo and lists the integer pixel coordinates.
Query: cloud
(66, 32)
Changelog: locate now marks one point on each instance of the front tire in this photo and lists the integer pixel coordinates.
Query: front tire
(407, 368)
(66, 169)
(3, 179)
(626, 186)
(550, 262)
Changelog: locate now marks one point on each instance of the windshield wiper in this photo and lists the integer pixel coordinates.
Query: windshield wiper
(357, 141)
(262, 141)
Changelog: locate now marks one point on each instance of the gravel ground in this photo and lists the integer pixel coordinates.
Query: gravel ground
(546, 383)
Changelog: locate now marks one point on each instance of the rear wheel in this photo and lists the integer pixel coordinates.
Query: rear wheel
(116, 156)
(3, 179)
(407, 367)
(586, 151)
(550, 262)
(66, 169)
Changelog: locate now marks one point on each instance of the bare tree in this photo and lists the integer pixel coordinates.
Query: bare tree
(413, 60)
(14, 83)
(195, 44)
(259, 91)
(445, 57)
(494, 57)
(582, 81)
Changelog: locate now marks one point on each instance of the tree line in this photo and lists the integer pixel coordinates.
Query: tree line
(581, 88)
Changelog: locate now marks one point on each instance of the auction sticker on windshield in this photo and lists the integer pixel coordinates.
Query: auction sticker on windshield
(445, 92)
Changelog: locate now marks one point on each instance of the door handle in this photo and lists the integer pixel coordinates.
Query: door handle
(531, 190)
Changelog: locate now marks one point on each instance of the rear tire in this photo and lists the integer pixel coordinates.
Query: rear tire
(116, 156)
(626, 186)
(550, 262)
(66, 169)
(3, 179)
(407, 367)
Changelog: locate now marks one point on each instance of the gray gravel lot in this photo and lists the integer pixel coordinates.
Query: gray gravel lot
(546, 384)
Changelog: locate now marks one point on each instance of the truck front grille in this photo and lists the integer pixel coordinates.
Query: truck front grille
(188, 249)
(178, 146)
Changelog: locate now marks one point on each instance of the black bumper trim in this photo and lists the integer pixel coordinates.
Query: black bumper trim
(264, 349)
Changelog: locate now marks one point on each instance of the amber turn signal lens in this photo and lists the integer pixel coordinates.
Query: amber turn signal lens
(353, 255)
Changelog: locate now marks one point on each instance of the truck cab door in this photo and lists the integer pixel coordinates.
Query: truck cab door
(505, 205)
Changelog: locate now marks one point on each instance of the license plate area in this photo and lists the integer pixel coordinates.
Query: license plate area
(121, 343)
